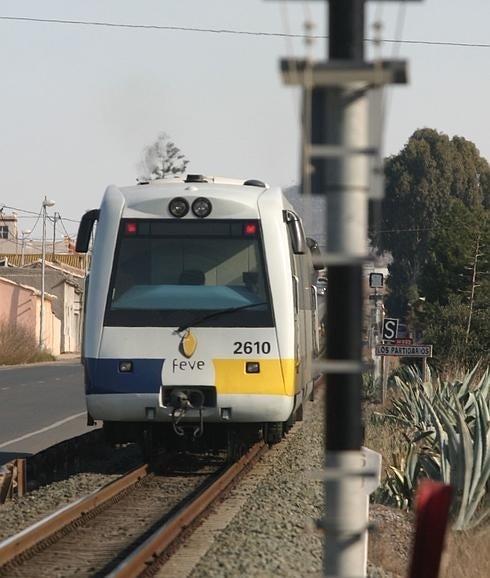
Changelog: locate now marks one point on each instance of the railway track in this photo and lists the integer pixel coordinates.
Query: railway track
(119, 529)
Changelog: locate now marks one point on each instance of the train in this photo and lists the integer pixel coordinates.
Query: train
(201, 314)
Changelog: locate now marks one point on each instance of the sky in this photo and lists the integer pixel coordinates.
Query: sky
(80, 103)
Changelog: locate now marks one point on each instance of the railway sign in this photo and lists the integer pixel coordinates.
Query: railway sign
(390, 328)
(376, 280)
(404, 350)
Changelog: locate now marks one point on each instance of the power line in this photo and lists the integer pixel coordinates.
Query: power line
(64, 228)
(3, 206)
(20, 210)
(232, 31)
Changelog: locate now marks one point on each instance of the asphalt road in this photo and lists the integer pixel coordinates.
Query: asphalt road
(40, 405)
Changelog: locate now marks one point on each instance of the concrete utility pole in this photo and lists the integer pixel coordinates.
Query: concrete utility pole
(340, 154)
(56, 217)
(25, 236)
(46, 203)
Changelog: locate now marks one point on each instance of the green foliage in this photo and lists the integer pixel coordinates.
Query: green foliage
(398, 488)
(436, 225)
(162, 158)
(450, 253)
(448, 425)
(371, 387)
(446, 328)
(463, 457)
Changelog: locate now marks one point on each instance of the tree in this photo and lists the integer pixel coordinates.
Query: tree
(162, 158)
(451, 252)
(436, 225)
(434, 188)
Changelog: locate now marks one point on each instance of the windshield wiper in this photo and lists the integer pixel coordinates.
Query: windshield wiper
(218, 313)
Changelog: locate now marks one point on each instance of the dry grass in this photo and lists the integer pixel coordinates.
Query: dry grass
(391, 539)
(467, 554)
(18, 345)
(384, 436)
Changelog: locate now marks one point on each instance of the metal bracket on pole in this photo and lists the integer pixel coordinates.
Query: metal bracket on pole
(342, 72)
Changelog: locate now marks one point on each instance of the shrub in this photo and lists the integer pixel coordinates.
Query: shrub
(18, 345)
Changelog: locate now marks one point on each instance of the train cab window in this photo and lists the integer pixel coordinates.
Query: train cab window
(168, 273)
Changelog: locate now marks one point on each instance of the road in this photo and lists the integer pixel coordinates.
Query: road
(40, 405)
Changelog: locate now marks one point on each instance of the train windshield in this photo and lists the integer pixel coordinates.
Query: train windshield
(169, 273)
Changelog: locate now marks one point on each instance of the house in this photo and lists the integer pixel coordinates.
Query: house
(66, 284)
(8, 226)
(20, 305)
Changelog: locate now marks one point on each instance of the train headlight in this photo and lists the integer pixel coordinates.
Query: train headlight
(125, 366)
(178, 207)
(201, 207)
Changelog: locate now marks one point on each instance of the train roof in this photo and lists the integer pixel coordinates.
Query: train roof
(147, 197)
(168, 187)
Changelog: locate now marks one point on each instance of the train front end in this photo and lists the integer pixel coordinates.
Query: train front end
(181, 338)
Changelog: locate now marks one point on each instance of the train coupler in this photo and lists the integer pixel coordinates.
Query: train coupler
(182, 401)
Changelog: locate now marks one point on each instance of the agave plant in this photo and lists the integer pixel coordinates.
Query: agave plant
(453, 419)
(398, 488)
(463, 457)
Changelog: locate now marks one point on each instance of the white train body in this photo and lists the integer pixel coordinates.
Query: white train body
(216, 310)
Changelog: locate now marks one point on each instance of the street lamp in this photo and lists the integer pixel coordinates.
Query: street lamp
(46, 203)
(25, 235)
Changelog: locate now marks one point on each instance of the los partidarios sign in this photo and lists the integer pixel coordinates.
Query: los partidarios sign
(404, 350)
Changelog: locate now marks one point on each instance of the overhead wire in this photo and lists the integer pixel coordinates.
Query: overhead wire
(60, 218)
(230, 31)
(4, 206)
(37, 216)
(309, 37)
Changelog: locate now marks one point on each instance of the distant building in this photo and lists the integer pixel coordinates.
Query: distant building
(8, 226)
(64, 283)
(20, 306)
(15, 242)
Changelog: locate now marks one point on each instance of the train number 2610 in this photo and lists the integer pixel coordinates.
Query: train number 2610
(248, 347)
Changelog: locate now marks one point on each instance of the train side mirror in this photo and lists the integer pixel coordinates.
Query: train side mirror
(85, 230)
(298, 239)
(315, 254)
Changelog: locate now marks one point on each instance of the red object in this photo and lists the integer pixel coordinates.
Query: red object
(432, 511)
(402, 341)
(250, 229)
(131, 228)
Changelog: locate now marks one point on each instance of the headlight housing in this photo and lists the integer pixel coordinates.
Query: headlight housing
(202, 207)
(178, 207)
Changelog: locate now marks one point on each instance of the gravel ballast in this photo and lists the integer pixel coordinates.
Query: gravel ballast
(273, 533)
(21, 512)
(270, 529)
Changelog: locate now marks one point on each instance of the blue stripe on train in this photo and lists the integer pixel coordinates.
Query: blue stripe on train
(103, 376)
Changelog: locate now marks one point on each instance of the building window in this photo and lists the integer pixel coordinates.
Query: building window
(4, 232)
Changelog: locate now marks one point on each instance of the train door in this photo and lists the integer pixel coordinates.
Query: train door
(297, 246)
(308, 316)
(303, 326)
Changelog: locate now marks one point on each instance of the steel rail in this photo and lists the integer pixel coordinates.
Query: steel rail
(41, 531)
(137, 562)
